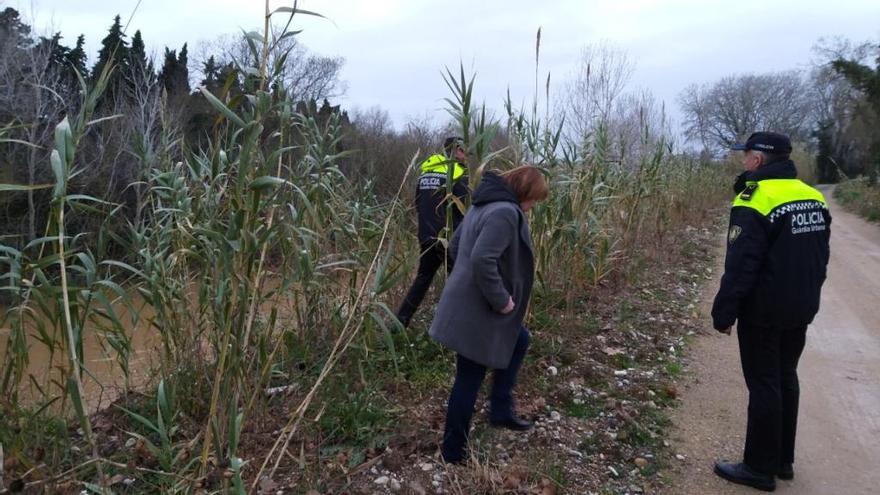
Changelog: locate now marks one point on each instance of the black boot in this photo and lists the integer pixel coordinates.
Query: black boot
(786, 472)
(513, 423)
(744, 475)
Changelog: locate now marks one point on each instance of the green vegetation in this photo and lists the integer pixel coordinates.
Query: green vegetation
(582, 409)
(263, 266)
(859, 196)
(673, 368)
(866, 80)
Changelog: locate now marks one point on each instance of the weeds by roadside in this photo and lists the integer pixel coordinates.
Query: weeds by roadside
(859, 196)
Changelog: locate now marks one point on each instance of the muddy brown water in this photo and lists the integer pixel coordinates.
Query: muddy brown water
(105, 380)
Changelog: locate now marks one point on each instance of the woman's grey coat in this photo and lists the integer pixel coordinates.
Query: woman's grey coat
(492, 249)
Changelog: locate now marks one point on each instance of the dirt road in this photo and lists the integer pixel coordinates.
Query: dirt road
(838, 443)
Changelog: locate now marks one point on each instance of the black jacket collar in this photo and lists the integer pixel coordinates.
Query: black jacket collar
(782, 169)
(493, 188)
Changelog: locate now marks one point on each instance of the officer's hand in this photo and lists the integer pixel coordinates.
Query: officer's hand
(510, 306)
(726, 331)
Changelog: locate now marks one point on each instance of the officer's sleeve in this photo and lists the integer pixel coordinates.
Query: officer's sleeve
(460, 189)
(826, 244)
(494, 237)
(747, 243)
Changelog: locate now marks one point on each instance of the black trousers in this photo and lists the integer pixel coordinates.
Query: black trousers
(463, 396)
(769, 363)
(433, 255)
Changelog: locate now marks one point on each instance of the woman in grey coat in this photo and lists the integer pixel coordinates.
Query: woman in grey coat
(480, 313)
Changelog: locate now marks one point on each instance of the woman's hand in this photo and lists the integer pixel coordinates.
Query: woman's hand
(510, 306)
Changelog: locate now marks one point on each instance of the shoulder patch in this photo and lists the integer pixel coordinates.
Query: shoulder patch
(733, 233)
(747, 193)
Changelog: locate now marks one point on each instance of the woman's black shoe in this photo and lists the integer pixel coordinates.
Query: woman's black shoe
(458, 461)
(514, 423)
(741, 474)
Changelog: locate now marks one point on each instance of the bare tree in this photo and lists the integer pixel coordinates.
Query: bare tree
(719, 114)
(846, 126)
(305, 76)
(589, 96)
(33, 97)
(827, 50)
(835, 106)
(422, 131)
(596, 101)
(638, 126)
(150, 122)
(697, 108)
(380, 154)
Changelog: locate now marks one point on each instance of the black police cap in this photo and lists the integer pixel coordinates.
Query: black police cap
(768, 142)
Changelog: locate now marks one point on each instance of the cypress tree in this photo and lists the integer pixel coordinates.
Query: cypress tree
(140, 68)
(114, 49)
(169, 67)
(13, 32)
(181, 77)
(825, 166)
(77, 57)
(174, 75)
(63, 60)
(210, 71)
(57, 52)
(137, 55)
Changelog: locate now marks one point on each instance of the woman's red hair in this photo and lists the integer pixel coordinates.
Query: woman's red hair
(527, 182)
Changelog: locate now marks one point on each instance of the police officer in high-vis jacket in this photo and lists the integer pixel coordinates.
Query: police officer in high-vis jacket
(432, 200)
(777, 253)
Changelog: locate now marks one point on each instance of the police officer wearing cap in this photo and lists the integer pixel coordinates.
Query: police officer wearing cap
(777, 253)
(432, 201)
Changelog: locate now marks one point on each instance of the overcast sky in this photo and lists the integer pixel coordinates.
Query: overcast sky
(395, 50)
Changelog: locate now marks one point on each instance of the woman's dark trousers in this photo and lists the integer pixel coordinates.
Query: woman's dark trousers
(468, 378)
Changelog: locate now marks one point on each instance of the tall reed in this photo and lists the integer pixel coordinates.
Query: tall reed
(60, 290)
(256, 252)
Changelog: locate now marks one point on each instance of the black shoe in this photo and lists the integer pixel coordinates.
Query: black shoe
(744, 475)
(786, 472)
(396, 324)
(458, 461)
(513, 423)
